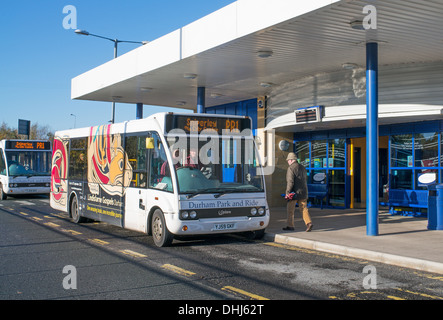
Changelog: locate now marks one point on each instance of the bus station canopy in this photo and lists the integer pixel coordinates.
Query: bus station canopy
(244, 49)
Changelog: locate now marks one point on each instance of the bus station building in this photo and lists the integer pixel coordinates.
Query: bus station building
(354, 88)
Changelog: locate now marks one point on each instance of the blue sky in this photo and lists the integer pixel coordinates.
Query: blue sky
(39, 57)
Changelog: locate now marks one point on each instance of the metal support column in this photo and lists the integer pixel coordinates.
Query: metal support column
(372, 139)
(201, 93)
(139, 111)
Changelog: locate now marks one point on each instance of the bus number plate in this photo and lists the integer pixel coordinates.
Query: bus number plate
(224, 226)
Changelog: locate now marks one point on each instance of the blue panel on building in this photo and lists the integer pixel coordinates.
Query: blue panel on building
(241, 108)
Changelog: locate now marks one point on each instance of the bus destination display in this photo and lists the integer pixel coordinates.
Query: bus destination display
(196, 124)
(27, 145)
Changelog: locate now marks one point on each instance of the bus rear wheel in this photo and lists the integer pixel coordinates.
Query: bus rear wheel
(160, 233)
(75, 215)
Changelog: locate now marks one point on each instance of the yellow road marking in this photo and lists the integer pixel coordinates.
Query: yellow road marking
(425, 295)
(58, 215)
(178, 270)
(245, 293)
(394, 298)
(73, 232)
(133, 253)
(23, 213)
(102, 242)
(429, 276)
(36, 219)
(358, 294)
(50, 224)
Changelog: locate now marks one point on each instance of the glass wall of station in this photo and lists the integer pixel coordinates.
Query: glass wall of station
(325, 161)
(414, 158)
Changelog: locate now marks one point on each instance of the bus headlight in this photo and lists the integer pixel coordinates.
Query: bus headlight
(261, 211)
(185, 215)
(253, 211)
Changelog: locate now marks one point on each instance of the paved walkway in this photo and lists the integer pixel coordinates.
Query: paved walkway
(403, 241)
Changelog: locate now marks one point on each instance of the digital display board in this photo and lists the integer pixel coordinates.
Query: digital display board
(27, 145)
(196, 124)
(311, 114)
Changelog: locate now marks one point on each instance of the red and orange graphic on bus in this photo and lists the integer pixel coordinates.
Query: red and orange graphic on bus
(107, 164)
(59, 171)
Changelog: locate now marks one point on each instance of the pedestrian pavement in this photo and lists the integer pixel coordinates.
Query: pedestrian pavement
(402, 241)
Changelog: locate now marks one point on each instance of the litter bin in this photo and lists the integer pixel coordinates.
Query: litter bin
(435, 207)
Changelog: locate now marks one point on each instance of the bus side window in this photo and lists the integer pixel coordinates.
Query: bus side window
(160, 173)
(77, 159)
(135, 147)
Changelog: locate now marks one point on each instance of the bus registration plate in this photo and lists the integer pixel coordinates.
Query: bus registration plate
(224, 226)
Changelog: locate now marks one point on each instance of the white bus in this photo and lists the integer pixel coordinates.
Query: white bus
(25, 167)
(166, 175)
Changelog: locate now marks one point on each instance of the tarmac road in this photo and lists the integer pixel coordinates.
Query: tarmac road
(41, 251)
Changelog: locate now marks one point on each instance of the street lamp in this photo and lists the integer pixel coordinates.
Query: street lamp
(75, 119)
(116, 42)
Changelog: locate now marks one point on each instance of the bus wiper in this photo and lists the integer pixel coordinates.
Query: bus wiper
(225, 192)
(192, 195)
(235, 190)
(189, 196)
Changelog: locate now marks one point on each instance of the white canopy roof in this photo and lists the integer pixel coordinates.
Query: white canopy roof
(221, 49)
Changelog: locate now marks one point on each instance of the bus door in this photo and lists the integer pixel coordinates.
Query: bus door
(136, 193)
(151, 179)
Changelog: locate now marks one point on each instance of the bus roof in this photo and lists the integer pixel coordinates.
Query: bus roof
(160, 122)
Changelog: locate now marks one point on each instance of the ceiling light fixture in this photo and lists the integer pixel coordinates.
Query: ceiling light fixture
(357, 25)
(190, 76)
(264, 53)
(349, 66)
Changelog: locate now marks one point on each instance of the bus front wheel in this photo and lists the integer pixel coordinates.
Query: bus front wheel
(3, 195)
(160, 233)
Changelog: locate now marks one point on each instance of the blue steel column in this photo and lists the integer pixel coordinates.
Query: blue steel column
(372, 139)
(201, 97)
(139, 111)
